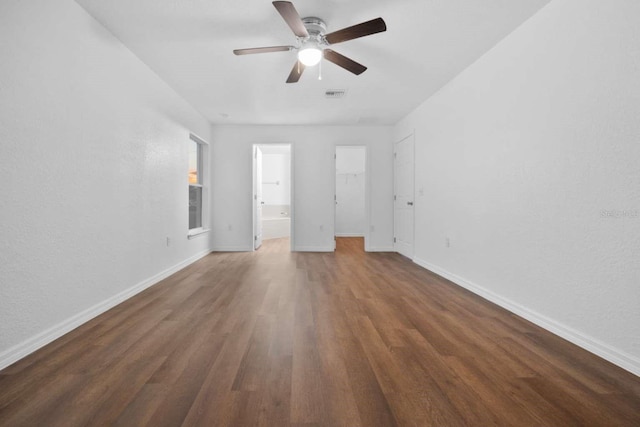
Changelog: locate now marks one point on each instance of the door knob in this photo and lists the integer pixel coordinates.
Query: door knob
(410, 203)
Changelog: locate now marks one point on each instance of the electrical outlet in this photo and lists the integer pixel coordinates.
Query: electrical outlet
(372, 228)
(447, 242)
(229, 227)
(321, 227)
(168, 241)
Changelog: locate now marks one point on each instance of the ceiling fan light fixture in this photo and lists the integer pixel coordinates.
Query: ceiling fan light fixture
(313, 44)
(310, 55)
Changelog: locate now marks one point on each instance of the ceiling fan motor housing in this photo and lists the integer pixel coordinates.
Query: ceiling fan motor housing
(316, 28)
(314, 25)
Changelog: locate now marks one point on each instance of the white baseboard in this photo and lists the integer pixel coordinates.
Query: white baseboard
(379, 249)
(613, 355)
(232, 249)
(32, 344)
(349, 235)
(313, 249)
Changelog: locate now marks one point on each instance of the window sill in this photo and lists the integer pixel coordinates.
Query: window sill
(197, 232)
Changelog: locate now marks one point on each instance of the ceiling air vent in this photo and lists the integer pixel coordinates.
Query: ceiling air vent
(335, 93)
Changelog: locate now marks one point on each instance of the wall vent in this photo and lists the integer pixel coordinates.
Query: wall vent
(335, 93)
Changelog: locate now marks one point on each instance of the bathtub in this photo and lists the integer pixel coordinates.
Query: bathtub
(276, 222)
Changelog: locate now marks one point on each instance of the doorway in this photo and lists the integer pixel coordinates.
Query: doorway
(403, 183)
(350, 191)
(272, 194)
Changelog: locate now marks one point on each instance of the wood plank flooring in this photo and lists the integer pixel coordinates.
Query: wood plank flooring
(349, 338)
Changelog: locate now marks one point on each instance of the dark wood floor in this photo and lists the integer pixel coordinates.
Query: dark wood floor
(275, 338)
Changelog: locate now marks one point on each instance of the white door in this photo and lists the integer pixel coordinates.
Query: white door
(257, 197)
(403, 197)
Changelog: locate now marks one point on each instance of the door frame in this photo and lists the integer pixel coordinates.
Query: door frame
(367, 190)
(291, 192)
(258, 202)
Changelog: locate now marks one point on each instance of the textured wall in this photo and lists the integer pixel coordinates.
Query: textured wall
(528, 162)
(313, 148)
(93, 169)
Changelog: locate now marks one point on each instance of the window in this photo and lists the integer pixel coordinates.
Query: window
(195, 183)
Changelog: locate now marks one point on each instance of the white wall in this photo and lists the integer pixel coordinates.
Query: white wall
(93, 173)
(313, 148)
(529, 164)
(276, 169)
(350, 191)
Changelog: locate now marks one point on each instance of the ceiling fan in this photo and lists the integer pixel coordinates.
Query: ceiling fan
(313, 44)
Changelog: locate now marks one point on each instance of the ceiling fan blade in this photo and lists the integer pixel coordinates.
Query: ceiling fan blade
(360, 30)
(296, 72)
(291, 17)
(252, 50)
(344, 62)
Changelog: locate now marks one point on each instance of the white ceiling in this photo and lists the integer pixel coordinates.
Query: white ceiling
(189, 44)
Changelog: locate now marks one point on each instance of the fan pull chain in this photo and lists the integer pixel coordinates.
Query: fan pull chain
(320, 69)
